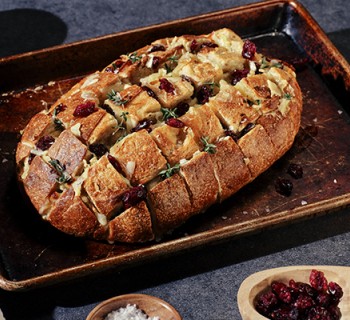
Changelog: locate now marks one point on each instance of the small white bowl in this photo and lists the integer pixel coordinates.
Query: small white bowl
(152, 306)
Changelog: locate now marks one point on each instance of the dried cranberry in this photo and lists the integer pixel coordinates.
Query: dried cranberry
(319, 313)
(266, 302)
(335, 312)
(203, 94)
(98, 149)
(157, 47)
(114, 162)
(155, 62)
(295, 170)
(282, 291)
(249, 50)
(247, 128)
(59, 108)
(284, 187)
(323, 299)
(318, 281)
(166, 85)
(143, 124)
(182, 108)
(194, 46)
(285, 313)
(45, 142)
(238, 75)
(304, 301)
(149, 91)
(230, 133)
(335, 291)
(134, 196)
(176, 123)
(84, 109)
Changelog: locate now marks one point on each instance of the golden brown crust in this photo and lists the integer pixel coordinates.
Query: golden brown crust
(139, 157)
(105, 185)
(133, 225)
(134, 151)
(40, 182)
(258, 150)
(72, 216)
(69, 151)
(170, 203)
(230, 169)
(201, 181)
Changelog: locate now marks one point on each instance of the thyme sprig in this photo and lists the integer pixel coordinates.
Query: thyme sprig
(168, 113)
(208, 147)
(116, 98)
(64, 176)
(133, 57)
(169, 171)
(287, 96)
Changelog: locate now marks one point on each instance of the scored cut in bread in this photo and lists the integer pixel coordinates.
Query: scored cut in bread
(161, 134)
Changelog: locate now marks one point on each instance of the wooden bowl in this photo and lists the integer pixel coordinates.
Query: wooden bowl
(256, 283)
(152, 306)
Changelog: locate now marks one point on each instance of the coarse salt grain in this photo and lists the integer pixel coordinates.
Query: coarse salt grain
(303, 202)
(340, 111)
(130, 312)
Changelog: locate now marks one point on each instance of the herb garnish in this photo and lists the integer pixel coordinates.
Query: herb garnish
(133, 57)
(168, 113)
(169, 171)
(287, 96)
(116, 98)
(208, 147)
(64, 177)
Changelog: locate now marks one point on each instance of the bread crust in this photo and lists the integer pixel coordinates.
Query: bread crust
(135, 150)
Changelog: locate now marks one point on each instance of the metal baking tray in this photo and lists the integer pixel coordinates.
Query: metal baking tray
(34, 254)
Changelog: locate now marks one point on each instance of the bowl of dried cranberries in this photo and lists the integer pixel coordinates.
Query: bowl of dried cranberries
(296, 293)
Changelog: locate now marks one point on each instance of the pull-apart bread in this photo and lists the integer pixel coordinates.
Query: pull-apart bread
(161, 134)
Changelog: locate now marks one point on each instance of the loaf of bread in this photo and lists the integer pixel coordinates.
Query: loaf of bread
(162, 133)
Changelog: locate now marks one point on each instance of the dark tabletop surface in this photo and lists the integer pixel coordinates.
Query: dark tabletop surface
(202, 283)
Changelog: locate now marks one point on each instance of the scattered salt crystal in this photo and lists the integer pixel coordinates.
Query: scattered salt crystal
(4, 160)
(223, 217)
(340, 111)
(267, 209)
(129, 312)
(335, 181)
(303, 202)
(314, 120)
(245, 212)
(51, 83)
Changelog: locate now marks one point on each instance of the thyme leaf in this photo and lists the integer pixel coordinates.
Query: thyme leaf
(133, 57)
(64, 176)
(116, 98)
(169, 171)
(208, 147)
(168, 113)
(287, 96)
